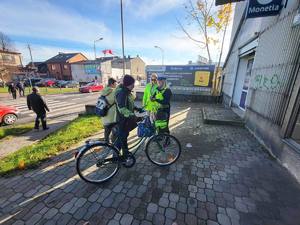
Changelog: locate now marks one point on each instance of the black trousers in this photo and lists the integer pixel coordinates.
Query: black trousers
(14, 95)
(21, 92)
(42, 117)
(107, 131)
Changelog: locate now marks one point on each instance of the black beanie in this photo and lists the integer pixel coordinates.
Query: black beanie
(128, 80)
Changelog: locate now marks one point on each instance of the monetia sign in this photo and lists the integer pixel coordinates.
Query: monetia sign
(261, 8)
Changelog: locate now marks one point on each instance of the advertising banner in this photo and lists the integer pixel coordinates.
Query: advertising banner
(185, 76)
(92, 69)
(188, 79)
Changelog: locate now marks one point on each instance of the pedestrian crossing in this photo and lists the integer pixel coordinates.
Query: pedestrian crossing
(58, 104)
(55, 106)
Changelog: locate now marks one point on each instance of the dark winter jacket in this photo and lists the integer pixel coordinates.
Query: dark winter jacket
(36, 103)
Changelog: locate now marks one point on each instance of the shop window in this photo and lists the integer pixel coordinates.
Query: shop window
(296, 131)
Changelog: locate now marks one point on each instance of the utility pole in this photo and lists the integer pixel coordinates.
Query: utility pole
(32, 64)
(122, 27)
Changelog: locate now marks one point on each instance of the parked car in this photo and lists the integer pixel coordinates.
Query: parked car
(32, 80)
(69, 84)
(91, 87)
(59, 82)
(8, 114)
(45, 83)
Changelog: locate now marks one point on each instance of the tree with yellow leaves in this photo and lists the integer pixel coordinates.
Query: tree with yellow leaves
(209, 21)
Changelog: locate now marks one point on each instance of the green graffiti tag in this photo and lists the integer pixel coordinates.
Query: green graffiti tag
(266, 82)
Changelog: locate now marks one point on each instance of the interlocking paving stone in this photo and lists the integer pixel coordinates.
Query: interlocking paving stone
(225, 178)
(126, 219)
(51, 213)
(152, 208)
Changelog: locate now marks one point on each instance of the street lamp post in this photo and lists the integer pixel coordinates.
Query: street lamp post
(122, 31)
(162, 54)
(95, 45)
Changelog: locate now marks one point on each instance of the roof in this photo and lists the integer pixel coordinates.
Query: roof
(97, 61)
(10, 52)
(35, 63)
(62, 57)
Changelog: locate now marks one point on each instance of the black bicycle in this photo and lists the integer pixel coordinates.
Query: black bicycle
(98, 161)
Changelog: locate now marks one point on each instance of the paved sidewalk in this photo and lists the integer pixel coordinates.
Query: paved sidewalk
(13, 144)
(225, 178)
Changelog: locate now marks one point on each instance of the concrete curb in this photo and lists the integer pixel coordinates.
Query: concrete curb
(207, 120)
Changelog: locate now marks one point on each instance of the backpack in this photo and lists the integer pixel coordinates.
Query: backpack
(102, 106)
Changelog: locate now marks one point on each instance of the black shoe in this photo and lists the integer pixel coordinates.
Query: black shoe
(46, 128)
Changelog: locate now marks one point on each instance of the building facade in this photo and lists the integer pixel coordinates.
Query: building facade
(261, 80)
(59, 66)
(133, 66)
(10, 63)
(99, 69)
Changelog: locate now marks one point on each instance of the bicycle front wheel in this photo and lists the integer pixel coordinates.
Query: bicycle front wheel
(163, 149)
(97, 163)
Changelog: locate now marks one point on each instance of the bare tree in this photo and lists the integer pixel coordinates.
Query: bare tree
(5, 42)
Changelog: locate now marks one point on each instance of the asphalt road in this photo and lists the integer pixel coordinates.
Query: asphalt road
(60, 105)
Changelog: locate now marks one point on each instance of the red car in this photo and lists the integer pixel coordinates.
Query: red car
(8, 115)
(91, 87)
(45, 83)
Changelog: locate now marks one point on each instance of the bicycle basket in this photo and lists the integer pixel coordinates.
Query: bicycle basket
(145, 128)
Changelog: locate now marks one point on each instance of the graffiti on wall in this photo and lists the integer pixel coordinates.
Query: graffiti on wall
(267, 82)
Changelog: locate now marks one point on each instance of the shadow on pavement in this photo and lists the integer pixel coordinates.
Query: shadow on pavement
(224, 177)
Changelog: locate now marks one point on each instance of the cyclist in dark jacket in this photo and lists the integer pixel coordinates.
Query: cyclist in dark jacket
(36, 103)
(125, 108)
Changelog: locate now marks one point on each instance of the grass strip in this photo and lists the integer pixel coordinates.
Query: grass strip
(14, 130)
(61, 140)
(45, 90)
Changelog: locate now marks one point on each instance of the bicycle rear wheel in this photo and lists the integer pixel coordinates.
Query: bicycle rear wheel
(97, 163)
(163, 149)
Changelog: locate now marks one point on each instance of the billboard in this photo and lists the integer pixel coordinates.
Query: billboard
(184, 76)
(92, 69)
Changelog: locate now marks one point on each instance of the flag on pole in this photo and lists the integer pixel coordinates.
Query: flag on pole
(107, 51)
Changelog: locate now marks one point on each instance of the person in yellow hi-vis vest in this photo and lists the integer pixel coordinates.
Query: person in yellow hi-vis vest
(162, 99)
(150, 90)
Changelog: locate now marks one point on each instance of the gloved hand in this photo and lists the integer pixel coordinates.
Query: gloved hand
(140, 110)
(152, 98)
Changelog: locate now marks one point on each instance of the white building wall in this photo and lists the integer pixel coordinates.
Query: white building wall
(117, 73)
(272, 77)
(79, 74)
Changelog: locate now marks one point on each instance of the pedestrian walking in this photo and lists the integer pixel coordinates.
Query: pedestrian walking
(110, 119)
(20, 87)
(36, 103)
(12, 90)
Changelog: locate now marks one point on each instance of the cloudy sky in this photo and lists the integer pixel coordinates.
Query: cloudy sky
(52, 26)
